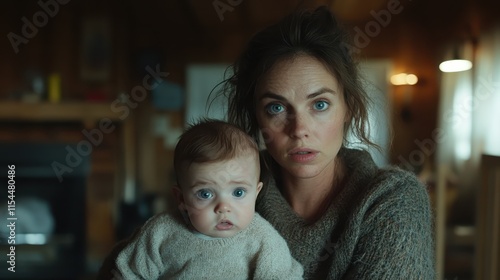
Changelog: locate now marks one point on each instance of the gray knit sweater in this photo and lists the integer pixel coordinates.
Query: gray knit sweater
(165, 246)
(379, 226)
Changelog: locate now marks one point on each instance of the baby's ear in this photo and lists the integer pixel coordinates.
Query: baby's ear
(259, 187)
(176, 190)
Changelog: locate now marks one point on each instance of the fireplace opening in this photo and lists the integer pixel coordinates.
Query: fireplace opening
(48, 213)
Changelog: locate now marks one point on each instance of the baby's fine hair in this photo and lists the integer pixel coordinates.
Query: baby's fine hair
(210, 140)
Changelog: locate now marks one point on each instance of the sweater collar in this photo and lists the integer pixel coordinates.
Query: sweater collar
(359, 166)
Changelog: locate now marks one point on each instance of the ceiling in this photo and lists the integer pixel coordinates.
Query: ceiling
(202, 16)
(196, 21)
(179, 24)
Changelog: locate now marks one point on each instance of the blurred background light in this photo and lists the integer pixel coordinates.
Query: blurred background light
(404, 79)
(455, 65)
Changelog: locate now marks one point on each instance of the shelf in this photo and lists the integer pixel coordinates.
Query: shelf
(64, 111)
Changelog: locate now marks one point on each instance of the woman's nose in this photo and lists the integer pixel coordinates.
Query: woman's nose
(297, 126)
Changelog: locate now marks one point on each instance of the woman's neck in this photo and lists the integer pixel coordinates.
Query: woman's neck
(311, 197)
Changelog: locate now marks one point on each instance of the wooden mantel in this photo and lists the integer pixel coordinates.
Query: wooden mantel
(90, 114)
(65, 111)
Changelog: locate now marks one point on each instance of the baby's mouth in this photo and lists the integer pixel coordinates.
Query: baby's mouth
(224, 225)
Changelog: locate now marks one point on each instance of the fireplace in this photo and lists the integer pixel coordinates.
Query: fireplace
(49, 231)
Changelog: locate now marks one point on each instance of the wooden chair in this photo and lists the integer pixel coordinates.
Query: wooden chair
(488, 220)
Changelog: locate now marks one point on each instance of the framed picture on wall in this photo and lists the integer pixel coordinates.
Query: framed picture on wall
(96, 50)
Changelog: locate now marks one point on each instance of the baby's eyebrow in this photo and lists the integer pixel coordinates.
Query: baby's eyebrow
(203, 183)
(241, 182)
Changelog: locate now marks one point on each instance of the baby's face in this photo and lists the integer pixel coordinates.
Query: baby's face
(219, 197)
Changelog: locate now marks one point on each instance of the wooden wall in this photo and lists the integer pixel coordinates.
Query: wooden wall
(183, 32)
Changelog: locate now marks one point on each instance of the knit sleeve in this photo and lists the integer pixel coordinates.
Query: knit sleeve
(141, 258)
(396, 240)
(274, 260)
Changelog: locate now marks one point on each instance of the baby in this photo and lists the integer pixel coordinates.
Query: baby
(218, 235)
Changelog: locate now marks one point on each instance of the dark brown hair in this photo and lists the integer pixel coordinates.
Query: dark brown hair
(315, 33)
(211, 140)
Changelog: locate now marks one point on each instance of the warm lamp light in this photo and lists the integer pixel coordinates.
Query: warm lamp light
(411, 79)
(404, 79)
(455, 65)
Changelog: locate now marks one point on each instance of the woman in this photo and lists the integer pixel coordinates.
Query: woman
(296, 89)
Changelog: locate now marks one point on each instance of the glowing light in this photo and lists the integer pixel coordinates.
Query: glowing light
(404, 79)
(455, 65)
(411, 79)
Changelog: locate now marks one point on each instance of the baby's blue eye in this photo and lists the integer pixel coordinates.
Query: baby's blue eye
(274, 108)
(239, 192)
(321, 105)
(204, 194)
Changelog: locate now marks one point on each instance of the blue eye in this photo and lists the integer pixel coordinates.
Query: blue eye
(204, 194)
(274, 108)
(321, 105)
(239, 192)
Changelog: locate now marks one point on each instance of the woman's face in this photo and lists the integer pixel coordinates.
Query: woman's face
(301, 113)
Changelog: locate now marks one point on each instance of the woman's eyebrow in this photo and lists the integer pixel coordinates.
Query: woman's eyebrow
(322, 90)
(269, 94)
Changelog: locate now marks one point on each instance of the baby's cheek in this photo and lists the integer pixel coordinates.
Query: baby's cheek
(197, 205)
(247, 210)
(197, 216)
(196, 210)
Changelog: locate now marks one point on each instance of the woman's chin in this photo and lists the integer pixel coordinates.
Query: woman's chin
(303, 172)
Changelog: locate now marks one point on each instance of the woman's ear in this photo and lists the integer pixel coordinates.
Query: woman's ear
(347, 117)
(348, 113)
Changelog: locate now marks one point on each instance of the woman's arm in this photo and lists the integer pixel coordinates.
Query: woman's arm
(396, 238)
(274, 260)
(139, 256)
(108, 267)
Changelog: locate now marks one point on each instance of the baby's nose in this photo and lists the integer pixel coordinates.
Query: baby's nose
(222, 207)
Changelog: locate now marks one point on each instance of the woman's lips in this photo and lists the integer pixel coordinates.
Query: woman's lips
(224, 225)
(302, 155)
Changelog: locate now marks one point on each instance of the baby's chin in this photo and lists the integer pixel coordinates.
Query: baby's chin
(222, 231)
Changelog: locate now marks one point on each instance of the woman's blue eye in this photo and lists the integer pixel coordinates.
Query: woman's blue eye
(239, 192)
(204, 194)
(321, 105)
(274, 108)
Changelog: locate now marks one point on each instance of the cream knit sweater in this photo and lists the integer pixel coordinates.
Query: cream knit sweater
(165, 248)
(378, 227)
